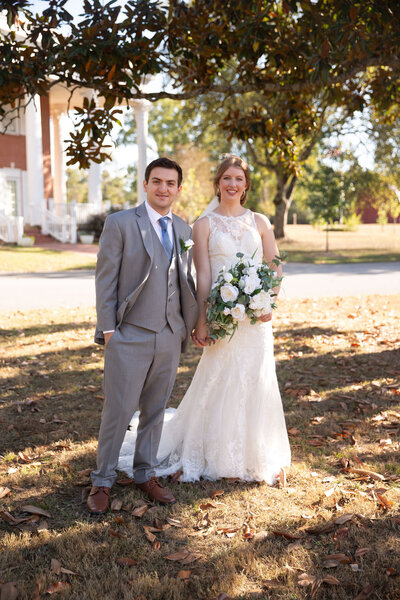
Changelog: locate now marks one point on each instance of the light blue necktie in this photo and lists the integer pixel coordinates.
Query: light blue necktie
(166, 242)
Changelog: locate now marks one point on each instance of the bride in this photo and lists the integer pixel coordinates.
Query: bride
(230, 422)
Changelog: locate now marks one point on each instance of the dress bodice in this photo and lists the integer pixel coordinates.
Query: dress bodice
(229, 235)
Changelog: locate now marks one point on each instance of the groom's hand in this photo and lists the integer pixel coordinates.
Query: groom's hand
(107, 336)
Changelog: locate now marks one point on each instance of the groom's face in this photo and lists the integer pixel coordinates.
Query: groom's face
(162, 189)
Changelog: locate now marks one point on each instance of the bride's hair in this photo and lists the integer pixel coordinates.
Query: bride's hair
(230, 160)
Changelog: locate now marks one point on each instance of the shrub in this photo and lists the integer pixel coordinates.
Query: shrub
(95, 223)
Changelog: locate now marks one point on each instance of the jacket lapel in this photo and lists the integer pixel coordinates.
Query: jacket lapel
(145, 226)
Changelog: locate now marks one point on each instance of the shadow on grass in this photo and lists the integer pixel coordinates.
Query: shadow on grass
(45, 329)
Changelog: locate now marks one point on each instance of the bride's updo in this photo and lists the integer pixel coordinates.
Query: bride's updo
(231, 160)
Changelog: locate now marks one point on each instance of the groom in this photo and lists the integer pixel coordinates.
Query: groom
(146, 310)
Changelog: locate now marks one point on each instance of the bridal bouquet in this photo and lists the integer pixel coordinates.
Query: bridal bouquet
(243, 291)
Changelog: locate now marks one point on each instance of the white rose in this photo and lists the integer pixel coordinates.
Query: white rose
(251, 270)
(228, 277)
(227, 311)
(229, 292)
(252, 283)
(242, 282)
(238, 312)
(261, 301)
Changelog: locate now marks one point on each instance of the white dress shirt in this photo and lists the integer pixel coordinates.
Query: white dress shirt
(154, 217)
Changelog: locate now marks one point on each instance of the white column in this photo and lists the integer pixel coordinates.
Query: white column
(60, 179)
(95, 195)
(142, 109)
(34, 160)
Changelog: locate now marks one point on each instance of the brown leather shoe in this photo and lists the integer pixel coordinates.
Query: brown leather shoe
(98, 499)
(156, 492)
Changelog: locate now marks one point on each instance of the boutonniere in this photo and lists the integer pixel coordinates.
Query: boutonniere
(186, 245)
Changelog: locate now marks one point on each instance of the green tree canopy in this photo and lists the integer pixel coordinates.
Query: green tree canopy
(288, 59)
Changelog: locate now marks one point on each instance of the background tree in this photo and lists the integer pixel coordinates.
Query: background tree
(341, 53)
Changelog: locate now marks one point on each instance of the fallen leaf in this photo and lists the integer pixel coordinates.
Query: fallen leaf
(341, 558)
(365, 593)
(4, 514)
(206, 506)
(149, 535)
(55, 566)
(67, 571)
(156, 546)
(317, 443)
(126, 562)
(330, 564)
(331, 580)
(140, 510)
(217, 493)
(329, 492)
(319, 529)
(84, 473)
(115, 533)
(248, 533)
(4, 491)
(305, 579)
(184, 575)
(391, 571)
(116, 504)
(287, 535)
(178, 556)
(260, 536)
(382, 500)
(344, 518)
(190, 558)
(24, 457)
(370, 474)
(227, 530)
(35, 510)
(293, 431)
(9, 591)
(174, 522)
(361, 552)
(342, 532)
(60, 586)
(121, 521)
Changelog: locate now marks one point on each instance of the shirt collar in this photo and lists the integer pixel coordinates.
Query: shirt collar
(154, 216)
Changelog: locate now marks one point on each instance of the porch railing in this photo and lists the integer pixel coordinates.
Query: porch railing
(11, 228)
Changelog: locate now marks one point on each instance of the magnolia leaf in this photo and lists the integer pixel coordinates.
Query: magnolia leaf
(140, 511)
(35, 510)
(60, 586)
(126, 562)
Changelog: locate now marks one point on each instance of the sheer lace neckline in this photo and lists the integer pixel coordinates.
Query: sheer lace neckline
(230, 216)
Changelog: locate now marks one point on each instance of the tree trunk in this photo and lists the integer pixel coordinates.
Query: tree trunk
(283, 198)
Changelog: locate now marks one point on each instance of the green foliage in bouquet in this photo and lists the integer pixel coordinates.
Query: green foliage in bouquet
(246, 290)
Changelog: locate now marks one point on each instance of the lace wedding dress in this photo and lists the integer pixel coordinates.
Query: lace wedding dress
(230, 422)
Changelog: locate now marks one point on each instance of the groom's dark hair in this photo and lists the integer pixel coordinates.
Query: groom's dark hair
(166, 163)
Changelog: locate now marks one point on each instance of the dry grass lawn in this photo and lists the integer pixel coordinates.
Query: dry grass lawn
(338, 368)
(39, 260)
(304, 243)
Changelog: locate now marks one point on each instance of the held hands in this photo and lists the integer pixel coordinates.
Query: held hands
(200, 335)
(265, 318)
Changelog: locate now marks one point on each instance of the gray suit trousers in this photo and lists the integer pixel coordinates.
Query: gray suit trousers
(139, 373)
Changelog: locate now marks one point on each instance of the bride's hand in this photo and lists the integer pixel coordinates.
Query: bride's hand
(265, 318)
(200, 335)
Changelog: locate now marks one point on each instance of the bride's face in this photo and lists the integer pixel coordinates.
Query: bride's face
(232, 184)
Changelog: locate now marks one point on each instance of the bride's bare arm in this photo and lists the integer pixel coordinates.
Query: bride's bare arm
(201, 233)
(270, 250)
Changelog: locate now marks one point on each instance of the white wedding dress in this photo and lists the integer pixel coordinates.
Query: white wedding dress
(230, 422)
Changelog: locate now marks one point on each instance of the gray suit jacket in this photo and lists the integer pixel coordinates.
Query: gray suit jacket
(123, 266)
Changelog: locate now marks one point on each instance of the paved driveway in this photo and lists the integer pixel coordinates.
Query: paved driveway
(76, 288)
